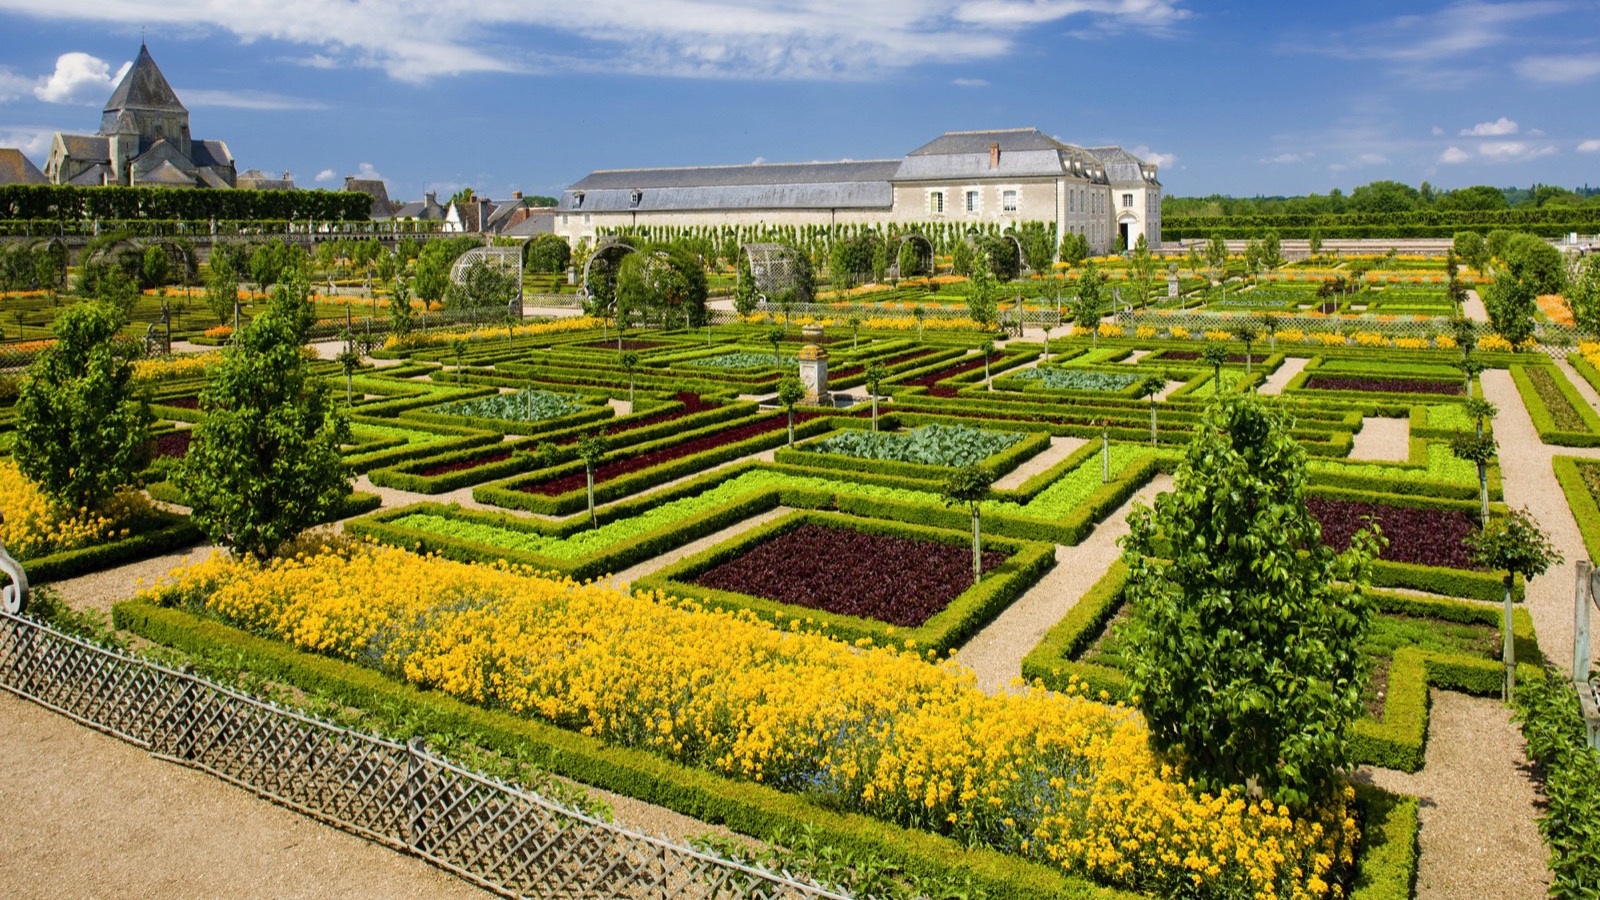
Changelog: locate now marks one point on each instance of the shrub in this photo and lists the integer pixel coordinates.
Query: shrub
(1247, 656)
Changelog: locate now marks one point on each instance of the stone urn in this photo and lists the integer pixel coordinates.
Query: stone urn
(812, 333)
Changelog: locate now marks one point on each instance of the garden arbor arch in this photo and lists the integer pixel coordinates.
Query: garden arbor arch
(129, 253)
(975, 240)
(775, 269)
(924, 253)
(505, 260)
(609, 253)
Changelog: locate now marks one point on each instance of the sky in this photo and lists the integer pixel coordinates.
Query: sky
(1240, 98)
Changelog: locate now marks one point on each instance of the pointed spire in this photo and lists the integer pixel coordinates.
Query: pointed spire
(144, 87)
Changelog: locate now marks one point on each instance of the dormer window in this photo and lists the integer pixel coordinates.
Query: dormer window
(634, 197)
(577, 199)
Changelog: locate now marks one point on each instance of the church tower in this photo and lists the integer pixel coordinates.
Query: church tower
(145, 109)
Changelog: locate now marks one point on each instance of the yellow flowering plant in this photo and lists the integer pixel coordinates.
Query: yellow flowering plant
(36, 525)
(1055, 777)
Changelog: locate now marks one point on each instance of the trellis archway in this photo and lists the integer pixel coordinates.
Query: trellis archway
(925, 254)
(505, 260)
(608, 253)
(776, 270)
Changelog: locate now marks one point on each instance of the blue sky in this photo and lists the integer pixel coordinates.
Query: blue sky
(502, 95)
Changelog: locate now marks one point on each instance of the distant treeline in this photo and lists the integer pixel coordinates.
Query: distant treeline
(69, 202)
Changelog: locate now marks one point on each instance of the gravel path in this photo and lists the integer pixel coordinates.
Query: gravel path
(1473, 308)
(1274, 383)
(1478, 836)
(86, 815)
(1382, 440)
(98, 591)
(1060, 448)
(1529, 480)
(996, 652)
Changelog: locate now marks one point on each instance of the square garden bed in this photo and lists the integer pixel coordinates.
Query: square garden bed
(854, 578)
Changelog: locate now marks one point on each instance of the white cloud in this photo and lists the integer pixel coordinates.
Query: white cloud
(1514, 151)
(13, 86)
(1560, 69)
(1371, 159)
(325, 176)
(1436, 131)
(1535, 132)
(970, 82)
(367, 172)
(1453, 155)
(1591, 146)
(415, 40)
(246, 99)
(1456, 30)
(758, 161)
(1163, 160)
(1500, 127)
(32, 140)
(79, 78)
(1283, 159)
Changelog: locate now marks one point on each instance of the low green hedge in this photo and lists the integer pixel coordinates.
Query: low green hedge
(806, 455)
(1580, 500)
(946, 629)
(163, 533)
(1397, 742)
(1385, 862)
(1544, 422)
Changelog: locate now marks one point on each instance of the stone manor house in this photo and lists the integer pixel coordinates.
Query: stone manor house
(1003, 177)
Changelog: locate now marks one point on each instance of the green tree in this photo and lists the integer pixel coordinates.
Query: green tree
(1478, 449)
(987, 349)
(910, 259)
(1215, 356)
(117, 289)
(875, 374)
(1091, 302)
(222, 292)
(855, 331)
(264, 463)
(630, 361)
(775, 337)
(970, 485)
(745, 295)
(980, 293)
(483, 287)
(1516, 546)
(156, 268)
(1150, 387)
(1144, 269)
(1217, 257)
(549, 253)
(592, 450)
(402, 318)
(1511, 303)
(919, 312)
(1583, 295)
(1536, 262)
(82, 429)
(790, 392)
(349, 361)
(1470, 247)
(1246, 656)
(1246, 334)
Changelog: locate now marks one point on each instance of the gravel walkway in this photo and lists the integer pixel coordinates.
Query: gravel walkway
(1060, 448)
(1529, 480)
(1382, 440)
(1473, 307)
(996, 652)
(1274, 383)
(1478, 837)
(86, 815)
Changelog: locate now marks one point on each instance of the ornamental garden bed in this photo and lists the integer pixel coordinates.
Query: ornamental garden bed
(931, 381)
(1375, 385)
(851, 578)
(1194, 356)
(1417, 535)
(899, 580)
(626, 345)
(173, 444)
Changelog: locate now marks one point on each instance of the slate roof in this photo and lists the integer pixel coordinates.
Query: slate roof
(1122, 167)
(382, 208)
(257, 180)
(210, 153)
(1011, 140)
(144, 87)
(94, 176)
(85, 146)
(16, 168)
(540, 222)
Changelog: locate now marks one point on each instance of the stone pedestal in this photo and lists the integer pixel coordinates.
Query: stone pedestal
(814, 374)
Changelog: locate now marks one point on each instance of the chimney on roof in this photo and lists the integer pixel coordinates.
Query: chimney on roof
(994, 154)
(516, 195)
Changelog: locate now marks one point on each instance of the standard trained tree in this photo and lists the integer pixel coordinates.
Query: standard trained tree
(1514, 545)
(875, 374)
(1247, 649)
(790, 392)
(970, 485)
(264, 463)
(82, 431)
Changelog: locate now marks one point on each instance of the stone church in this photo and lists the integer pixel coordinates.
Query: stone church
(144, 141)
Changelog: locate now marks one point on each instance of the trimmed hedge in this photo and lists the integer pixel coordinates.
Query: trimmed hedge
(1032, 444)
(165, 532)
(1385, 865)
(1544, 422)
(1580, 500)
(1397, 742)
(946, 629)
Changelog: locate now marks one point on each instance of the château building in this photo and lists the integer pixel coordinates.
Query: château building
(1003, 177)
(143, 141)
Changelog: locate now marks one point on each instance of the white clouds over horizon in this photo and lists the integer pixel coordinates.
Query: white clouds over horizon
(1503, 126)
(1454, 155)
(1590, 146)
(414, 40)
(1514, 151)
(1560, 69)
(79, 78)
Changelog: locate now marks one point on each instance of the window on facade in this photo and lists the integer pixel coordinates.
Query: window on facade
(936, 202)
(1127, 199)
(972, 201)
(1072, 201)
(566, 219)
(1008, 201)
(587, 218)
(577, 200)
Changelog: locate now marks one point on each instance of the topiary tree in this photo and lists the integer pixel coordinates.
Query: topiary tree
(592, 450)
(1583, 295)
(1246, 656)
(349, 360)
(1478, 449)
(458, 349)
(1217, 258)
(775, 337)
(875, 374)
(919, 313)
(970, 485)
(1516, 546)
(1215, 355)
(1091, 302)
(401, 317)
(82, 430)
(1245, 332)
(980, 292)
(264, 463)
(790, 392)
(1150, 387)
(987, 349)
(1045, 325)
(630, 361)
(855, 331)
